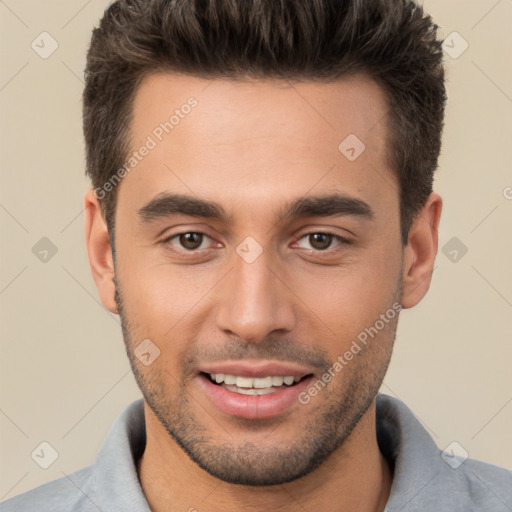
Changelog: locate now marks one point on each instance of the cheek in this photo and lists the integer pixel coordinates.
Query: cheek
(349, 298)
(160, 299)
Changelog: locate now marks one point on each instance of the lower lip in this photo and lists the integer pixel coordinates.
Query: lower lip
(253, 406)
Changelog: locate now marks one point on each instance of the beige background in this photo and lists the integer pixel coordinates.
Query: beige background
(64, 375)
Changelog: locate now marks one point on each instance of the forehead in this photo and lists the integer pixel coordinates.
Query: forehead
(233, 108)
(241, 142)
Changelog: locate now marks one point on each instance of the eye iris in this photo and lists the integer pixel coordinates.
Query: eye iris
(320, 240)
(191, 240)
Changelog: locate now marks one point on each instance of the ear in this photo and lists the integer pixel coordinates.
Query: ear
(421, 251)
(99, 251)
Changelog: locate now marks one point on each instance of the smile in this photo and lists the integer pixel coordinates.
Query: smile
(253, 386)
(254, 391)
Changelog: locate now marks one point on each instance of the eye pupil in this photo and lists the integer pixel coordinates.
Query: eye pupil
(320, 240)
(191, 240)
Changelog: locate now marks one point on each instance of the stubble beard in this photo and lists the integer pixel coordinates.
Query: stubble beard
(247, 463)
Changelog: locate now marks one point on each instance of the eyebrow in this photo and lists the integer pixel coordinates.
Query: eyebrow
(165, 204)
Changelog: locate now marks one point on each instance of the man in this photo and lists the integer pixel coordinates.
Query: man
(261, 211)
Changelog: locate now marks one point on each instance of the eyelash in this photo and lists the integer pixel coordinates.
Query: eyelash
(329, 251)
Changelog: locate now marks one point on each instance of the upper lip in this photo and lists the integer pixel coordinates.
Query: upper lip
(255, 368)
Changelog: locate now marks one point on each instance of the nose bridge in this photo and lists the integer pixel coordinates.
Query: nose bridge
(253, 302)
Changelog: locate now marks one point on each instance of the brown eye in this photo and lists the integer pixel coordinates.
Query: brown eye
(320, 241)
(190, 244)
(191, 241)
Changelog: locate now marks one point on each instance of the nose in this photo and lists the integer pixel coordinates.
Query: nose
(253, 301)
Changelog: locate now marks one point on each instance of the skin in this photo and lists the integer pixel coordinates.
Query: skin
(253, 147)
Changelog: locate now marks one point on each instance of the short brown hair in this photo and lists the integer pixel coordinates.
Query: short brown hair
(392, 41)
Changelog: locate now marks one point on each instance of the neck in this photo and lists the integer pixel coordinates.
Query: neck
(355, 477)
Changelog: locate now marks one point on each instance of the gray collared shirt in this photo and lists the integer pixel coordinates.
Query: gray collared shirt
(424, 478)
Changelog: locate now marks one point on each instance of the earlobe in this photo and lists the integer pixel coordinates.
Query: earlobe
(99, 251)
(421, 251)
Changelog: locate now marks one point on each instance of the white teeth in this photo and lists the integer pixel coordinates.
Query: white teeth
(259, 383)
(250, 391)
(277, 381)
(243, 382)
(229, 379)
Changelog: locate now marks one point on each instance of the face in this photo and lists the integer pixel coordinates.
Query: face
(255, 255)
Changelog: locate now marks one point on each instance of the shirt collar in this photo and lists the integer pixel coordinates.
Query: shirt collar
(115, 480)
(409, 449)
(404, 442)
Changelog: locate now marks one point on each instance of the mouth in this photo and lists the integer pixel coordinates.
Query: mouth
(253, 390)
(254, 385)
